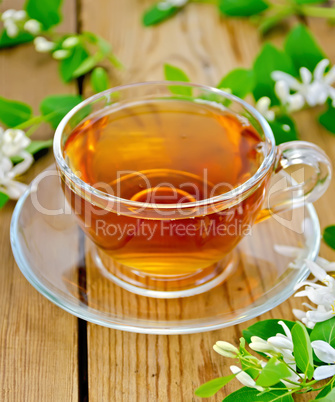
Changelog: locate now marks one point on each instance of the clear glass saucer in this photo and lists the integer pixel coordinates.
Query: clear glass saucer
(55, 257)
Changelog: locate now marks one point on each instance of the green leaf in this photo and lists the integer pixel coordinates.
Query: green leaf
(272, 373)
(212, 387)
(325, 390)
(22, 37)
(13, 113)
(327, 119)
(302, 349)
(242, 8)
(330, 397)
(47, 12)
(301, 46)
(284, 129)
(266, 328)
(324, 331)
(68, 66)
(173, 73)
(3, 199)
(155, 15)
(33, 148)
(99, 80)
(268, 60)
(246, 394)
(57, 106)
(329, 236)
(240, 81)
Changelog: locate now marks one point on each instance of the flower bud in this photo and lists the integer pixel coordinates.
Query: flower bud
(70, 42)
(60, 54)
(42, 45)
(19, 15)
(8, 14)
(226, 349)
(32, 26)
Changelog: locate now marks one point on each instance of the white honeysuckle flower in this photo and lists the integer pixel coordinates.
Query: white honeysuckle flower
(70, 42)
(325, 353)
(226, 349)
(166, 4)
(320, 274)
(315, 88)
(263, 106)
(245, 379)
(279, 345)
(32, 26)
(322, 295)
(260, 345)
(12, 188)
(298, 253)
(327, 79)
(11, 28)
(326, 265)
(8, 14)
(19, 15)
(43, 45)
(22, 167)
(323, 372)
(11, 18)
(13, 141)
(276, 345)
(280, 341)
(320, 314)
(292, 102)
(61, 54)
(302, 316)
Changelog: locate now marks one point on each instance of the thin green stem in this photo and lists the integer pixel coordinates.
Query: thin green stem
(283, 395)
(248, 361)
(321, 12)
(215, 2)
(326, 385)
(32, 129)
(30, 122)
(35, 122)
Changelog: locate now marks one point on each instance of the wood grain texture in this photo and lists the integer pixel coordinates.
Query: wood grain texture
(134, 367)
(38, 341)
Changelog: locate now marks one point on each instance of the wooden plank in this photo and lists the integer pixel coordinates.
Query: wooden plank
(38, 341)
(134, 367)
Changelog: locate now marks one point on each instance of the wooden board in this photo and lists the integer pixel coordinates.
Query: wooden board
(134, 367)
(38, 341)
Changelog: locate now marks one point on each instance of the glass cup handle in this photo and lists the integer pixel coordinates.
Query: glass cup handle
(310, 189)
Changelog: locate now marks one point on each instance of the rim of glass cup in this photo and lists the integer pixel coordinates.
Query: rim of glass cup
(260, 173)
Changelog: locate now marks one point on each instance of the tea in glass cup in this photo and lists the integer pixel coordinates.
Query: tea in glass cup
(166, 182)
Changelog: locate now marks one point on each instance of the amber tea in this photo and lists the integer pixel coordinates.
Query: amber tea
(166, 152)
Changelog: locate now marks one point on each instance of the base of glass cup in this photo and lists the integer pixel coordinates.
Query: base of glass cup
(164, 288)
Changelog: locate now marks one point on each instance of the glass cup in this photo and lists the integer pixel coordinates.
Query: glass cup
(186, 246)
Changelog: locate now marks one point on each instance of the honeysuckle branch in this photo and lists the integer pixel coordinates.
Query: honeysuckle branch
(265, 14)
(89, 49)
(284, 347)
